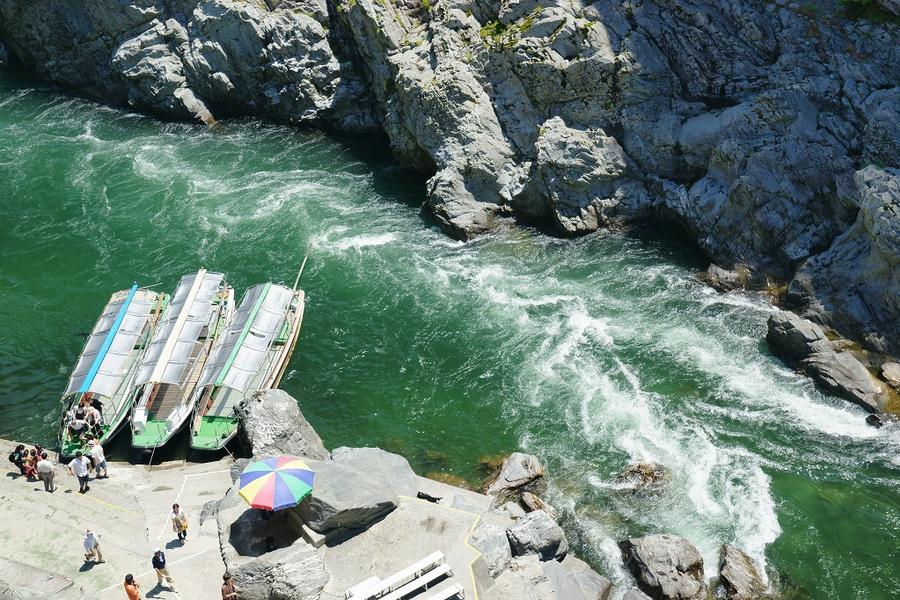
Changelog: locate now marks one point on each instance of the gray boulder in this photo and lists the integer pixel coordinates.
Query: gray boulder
(345, 497)
(530, 577)
(635, 594)
(803, 344)
(794, 339)
(390, 468)
(666, 567)
(843, 374)
(296, 572)
(573, 579)
(271, 423)
(890, 371)
(493, 544)
(516, 472)
(537, 533)
(738, 575)
(726, 280)
(581, 173)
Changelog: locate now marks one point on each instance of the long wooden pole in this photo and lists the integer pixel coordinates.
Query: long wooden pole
(302, 266)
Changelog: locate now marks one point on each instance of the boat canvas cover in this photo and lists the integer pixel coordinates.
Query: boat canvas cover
(103, 363)
(189, 311)
(245, 344)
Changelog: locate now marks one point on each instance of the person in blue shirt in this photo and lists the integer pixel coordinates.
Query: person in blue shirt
(162, 573)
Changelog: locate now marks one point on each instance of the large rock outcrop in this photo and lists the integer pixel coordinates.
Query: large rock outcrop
(537, 533)
(516, 472)
(666, 567)
(804, 345)
(749, 124)
(855, 284)
(271, 423)
(738, 575)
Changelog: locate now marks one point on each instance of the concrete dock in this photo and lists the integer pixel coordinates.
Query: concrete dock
(41, 533)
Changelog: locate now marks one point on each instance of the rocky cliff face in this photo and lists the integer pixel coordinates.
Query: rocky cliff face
(747, 123)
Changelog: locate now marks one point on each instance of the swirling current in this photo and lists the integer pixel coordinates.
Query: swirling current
(593, 353)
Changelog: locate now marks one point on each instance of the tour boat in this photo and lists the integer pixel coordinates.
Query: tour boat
(196, 315)
(252, 354)
(107, 366)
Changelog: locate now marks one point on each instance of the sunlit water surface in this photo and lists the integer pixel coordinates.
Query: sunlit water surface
(592, 353)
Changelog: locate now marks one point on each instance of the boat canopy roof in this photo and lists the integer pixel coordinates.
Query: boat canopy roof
(103, 363)
(189, 311)
(244, 345)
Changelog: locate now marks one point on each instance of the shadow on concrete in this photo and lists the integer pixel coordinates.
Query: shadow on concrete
(87, 566)
(171, 544)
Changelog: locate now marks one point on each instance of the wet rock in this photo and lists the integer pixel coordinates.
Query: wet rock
(390, 468)
(537, 533)
(890, 371)
(532, 502)
(493, 544)
(489, 464)
(738, 575)
(802, 344)
(635, 594)
(879, 420)
(726, 280)
(843, 374)
(666, 567)
(644, 475)
(345, 497)
(271, 423)
(516, 472)
(793, 338)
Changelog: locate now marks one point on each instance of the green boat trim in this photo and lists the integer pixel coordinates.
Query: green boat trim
(243, 335)
(153, 435)
(214, 432)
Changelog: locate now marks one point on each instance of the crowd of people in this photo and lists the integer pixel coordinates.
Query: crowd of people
(35, 465)
(85, 420)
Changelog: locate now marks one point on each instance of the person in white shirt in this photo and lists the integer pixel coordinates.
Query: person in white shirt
(46, 472)
(92, 547)
(79, 468)
(99, 459)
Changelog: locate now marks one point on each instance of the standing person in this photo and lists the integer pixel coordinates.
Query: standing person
(99, 458)
(132, 588)
(229, 590)
(179, 522)
(162, 573)
(79, 468)
(46, 472)
(92, 547)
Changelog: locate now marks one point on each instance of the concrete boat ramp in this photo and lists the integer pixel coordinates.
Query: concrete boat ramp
(41, 533)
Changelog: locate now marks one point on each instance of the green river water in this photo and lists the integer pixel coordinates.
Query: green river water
(591, 353)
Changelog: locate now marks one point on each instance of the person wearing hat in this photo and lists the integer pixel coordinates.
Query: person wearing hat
(99, 458)
(162, 573)
(92, 547)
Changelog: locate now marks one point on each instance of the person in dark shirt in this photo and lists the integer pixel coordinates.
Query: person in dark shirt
(162, 573)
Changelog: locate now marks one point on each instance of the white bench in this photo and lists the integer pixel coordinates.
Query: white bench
(454, 591)
(420, 582)
(373, 589)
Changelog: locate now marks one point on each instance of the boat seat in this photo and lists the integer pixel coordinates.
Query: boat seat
(454, 591)
(372, 588)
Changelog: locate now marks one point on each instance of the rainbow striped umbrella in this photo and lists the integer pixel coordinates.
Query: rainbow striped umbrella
(276, 483)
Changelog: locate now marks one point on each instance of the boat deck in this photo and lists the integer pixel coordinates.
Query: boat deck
(212, 431)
